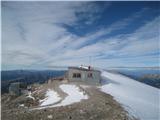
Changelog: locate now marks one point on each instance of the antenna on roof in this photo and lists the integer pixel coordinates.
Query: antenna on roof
(90, 60)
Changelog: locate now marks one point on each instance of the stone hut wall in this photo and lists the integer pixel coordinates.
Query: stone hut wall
(92, 76)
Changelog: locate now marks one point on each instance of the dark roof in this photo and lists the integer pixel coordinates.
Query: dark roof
(83, 69)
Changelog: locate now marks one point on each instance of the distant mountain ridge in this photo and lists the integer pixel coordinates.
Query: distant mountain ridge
(27, 76)
(147, 76)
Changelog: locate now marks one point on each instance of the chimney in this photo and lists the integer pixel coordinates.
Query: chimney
(89, 67)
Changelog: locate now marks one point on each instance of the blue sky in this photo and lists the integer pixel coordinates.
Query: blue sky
(41, 35)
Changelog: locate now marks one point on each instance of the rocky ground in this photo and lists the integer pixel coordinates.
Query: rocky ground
(99, 106)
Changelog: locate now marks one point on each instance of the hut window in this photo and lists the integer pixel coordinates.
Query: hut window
(76, 75)
(90, 75)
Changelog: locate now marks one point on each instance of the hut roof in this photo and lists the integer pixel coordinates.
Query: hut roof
(83, 69)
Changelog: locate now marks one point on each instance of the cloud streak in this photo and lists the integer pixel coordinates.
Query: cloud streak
(33, 35)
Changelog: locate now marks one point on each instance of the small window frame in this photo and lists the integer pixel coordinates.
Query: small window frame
(76, 75)
(90, 75)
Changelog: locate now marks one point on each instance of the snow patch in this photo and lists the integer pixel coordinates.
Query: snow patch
(139, 99)
(74, 95)
(21, 105)
(50, 116)
(51, 98)
(30, 96)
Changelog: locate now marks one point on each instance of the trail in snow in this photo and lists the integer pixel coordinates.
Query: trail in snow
(139, 99)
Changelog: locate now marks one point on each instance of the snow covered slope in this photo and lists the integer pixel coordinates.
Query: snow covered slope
(139, 99)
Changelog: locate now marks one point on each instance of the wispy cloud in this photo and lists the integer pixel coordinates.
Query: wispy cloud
(125, 47)
(33, 35)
